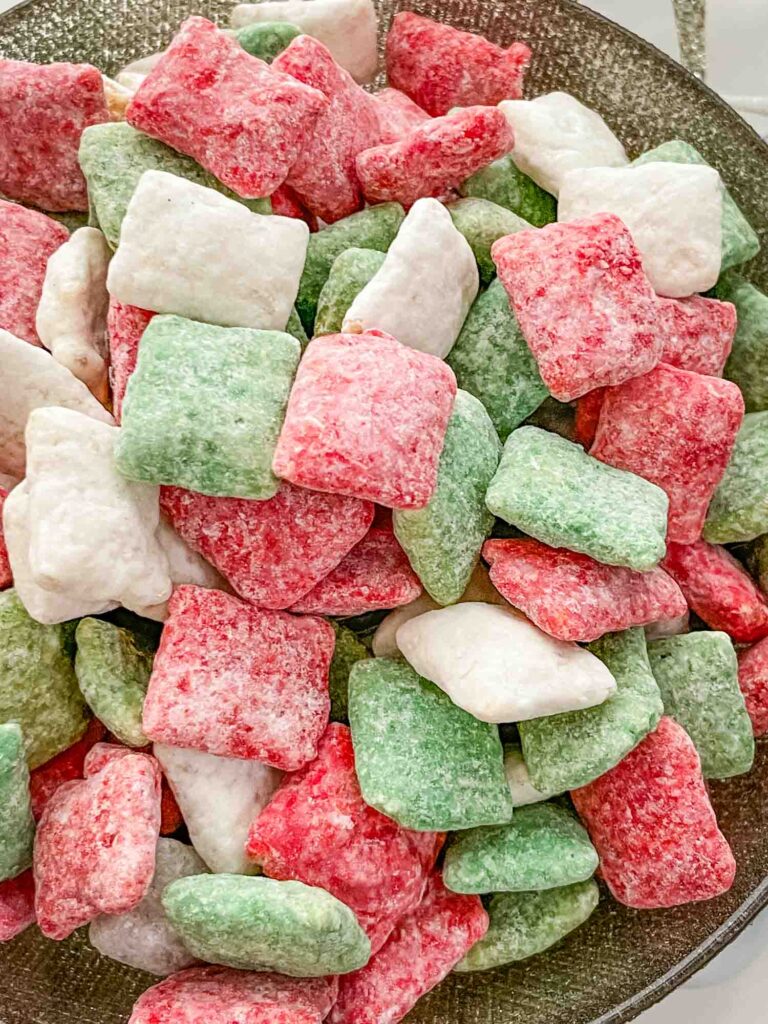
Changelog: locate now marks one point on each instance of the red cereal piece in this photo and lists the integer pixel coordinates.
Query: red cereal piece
(102, 754)
(718, 589)
(236, 681)
(44, 109)
(583, 302)
(324, 175)
(367, 418)
(125, 326)
(375, 574)
(285, 203)
(17, 905)
(676, 429)
(220, 995)
(422, 950)
(441, 67)
(27, 239)
(95, 845)
(435, 157)
(753, 680)
(6, 576)
(587, 416)
(573, 597)
(698, 333)
(243, 121)
(64, 767)
(271, 552)
(668, 850)
(398, 115)
(318, 829)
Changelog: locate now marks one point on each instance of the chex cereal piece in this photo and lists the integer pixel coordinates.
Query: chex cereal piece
(503, 183)
(583, 301)
(522, 789)
(64, 767)
(6, 576)
(346, 653)
(346, 379)
(43, 111)
(482, 223)
(669, 851)
(267, 39)
(747, 365)
(17, 905)
(753, 682)
(125, 327)
(235, 681)
(738, 511)
(101, 754)
(17, 826)
(398, 115)
(352, 270)
(698, 333)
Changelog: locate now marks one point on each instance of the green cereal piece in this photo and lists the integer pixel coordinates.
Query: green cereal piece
(38, 686)
(113, 157)
(503, 183)
(492, 362)
(346, 653)
(698, 677)
(420, 759)
(113, 668)
(295, 328)
(543, 847)
(258, 924)
(747, 364)
(740, 242)
(482, 223)
(267, 39)
(17, 826)
(443, 540)
(350, 273)
(372, 228)
(526, 923)
(204, 407)
(552, 490)
(569, 750)
(739, 507)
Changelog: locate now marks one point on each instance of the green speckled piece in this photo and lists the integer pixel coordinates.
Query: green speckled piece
(38, 686)
(204, 407)
(372, 228)
(350, 273)
(258, 924)
(443, 539)
(420, 759)
(346, 653)
(526, 923)
(17, 826)
(266, 39)
(740, 242)
(699, 681)
(739, 508)
(295, 328)
(482, 223)
(501, 182)
(747, 364)
(543, 847)
(564, 752)
(113, 669)
(492, 362)
(552, 490)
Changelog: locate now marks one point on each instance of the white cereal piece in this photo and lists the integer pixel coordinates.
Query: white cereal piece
(347, 27)
(144, 938)
(130, 80)
(189, 250)
(423, 291)
(674, 212)
(499, 667)
(72, 315)
(219, 798)
(142, 65)
(519, 782)
(118, 97)
(668, 627)
(555, 133)
(30, 378)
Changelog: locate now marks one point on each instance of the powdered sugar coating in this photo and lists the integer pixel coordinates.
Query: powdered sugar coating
(64, 767)
(698, 333)
(398, 115)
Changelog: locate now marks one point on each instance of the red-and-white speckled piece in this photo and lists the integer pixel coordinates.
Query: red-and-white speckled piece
(235, 115)
(285, 203)
(319, 830)
(44, 109)
(676, 429)
(367, 418)
(102, 754)
(573, 597)
(125, 327)
(236, 681)
(398, 115)
(435, 157)
(441, 67)
(271, 552)
(753, 681)
(324, 175)
(422, 950)
(95, 845)
(6, 576)
(653, 825)
(583, 301)
(698, 333)
(17, 905)
(64, 767)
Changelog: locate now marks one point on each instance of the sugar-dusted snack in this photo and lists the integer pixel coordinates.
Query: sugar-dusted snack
(267, 39)
(425, 287)
(403, 396)
(669, 851)
(503, 183)
(242, 376)
(189, 250)
(125, 327)
(346, 653)
(398, 115)
(747, 365)
(552, 490)
(753, 682)
(43, 111)
(17, 826)
(482, 223)
(95, 845)
(698, 333)
(435, 157)
(583, 302)
(64, 767)
(6, 576)
(522, 789)
(17, 905)
(738, 511)
(567, 751)
(698, 678)
(235, 681)
(352, 270)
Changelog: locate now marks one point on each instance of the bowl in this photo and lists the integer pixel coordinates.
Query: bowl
(621, 961)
